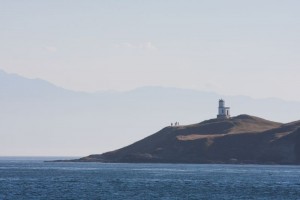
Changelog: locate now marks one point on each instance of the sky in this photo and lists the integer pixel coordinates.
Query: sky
(231, 47)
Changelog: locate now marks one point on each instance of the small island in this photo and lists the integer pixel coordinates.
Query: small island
(243, 139)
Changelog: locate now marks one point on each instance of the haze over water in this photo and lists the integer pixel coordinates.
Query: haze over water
(86, 77)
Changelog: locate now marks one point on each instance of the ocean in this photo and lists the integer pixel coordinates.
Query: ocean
(34, 179)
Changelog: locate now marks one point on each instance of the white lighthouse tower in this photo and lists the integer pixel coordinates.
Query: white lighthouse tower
(223, 112)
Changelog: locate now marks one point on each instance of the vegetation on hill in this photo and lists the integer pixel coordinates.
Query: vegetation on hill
(241, 139)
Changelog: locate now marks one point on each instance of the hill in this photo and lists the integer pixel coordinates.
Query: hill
(56, 121)
(241, 139)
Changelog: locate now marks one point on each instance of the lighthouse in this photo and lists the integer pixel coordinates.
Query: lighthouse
(223, 112)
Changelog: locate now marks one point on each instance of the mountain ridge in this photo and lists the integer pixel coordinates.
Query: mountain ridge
(56, 121)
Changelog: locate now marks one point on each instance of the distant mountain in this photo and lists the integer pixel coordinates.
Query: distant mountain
(39, 118)
(241, 139)
(13, 86)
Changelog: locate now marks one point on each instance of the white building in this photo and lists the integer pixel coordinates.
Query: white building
(223, 112)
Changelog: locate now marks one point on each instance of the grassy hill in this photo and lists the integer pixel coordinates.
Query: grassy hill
(241, 139)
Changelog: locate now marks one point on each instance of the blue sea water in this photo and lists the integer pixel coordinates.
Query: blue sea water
(34, 179)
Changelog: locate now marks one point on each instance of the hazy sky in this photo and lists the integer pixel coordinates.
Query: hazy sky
(226, 46)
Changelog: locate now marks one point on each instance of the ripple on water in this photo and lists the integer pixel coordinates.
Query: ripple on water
(38, 180)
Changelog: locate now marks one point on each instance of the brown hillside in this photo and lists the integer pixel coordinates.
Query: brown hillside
(241, 139)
